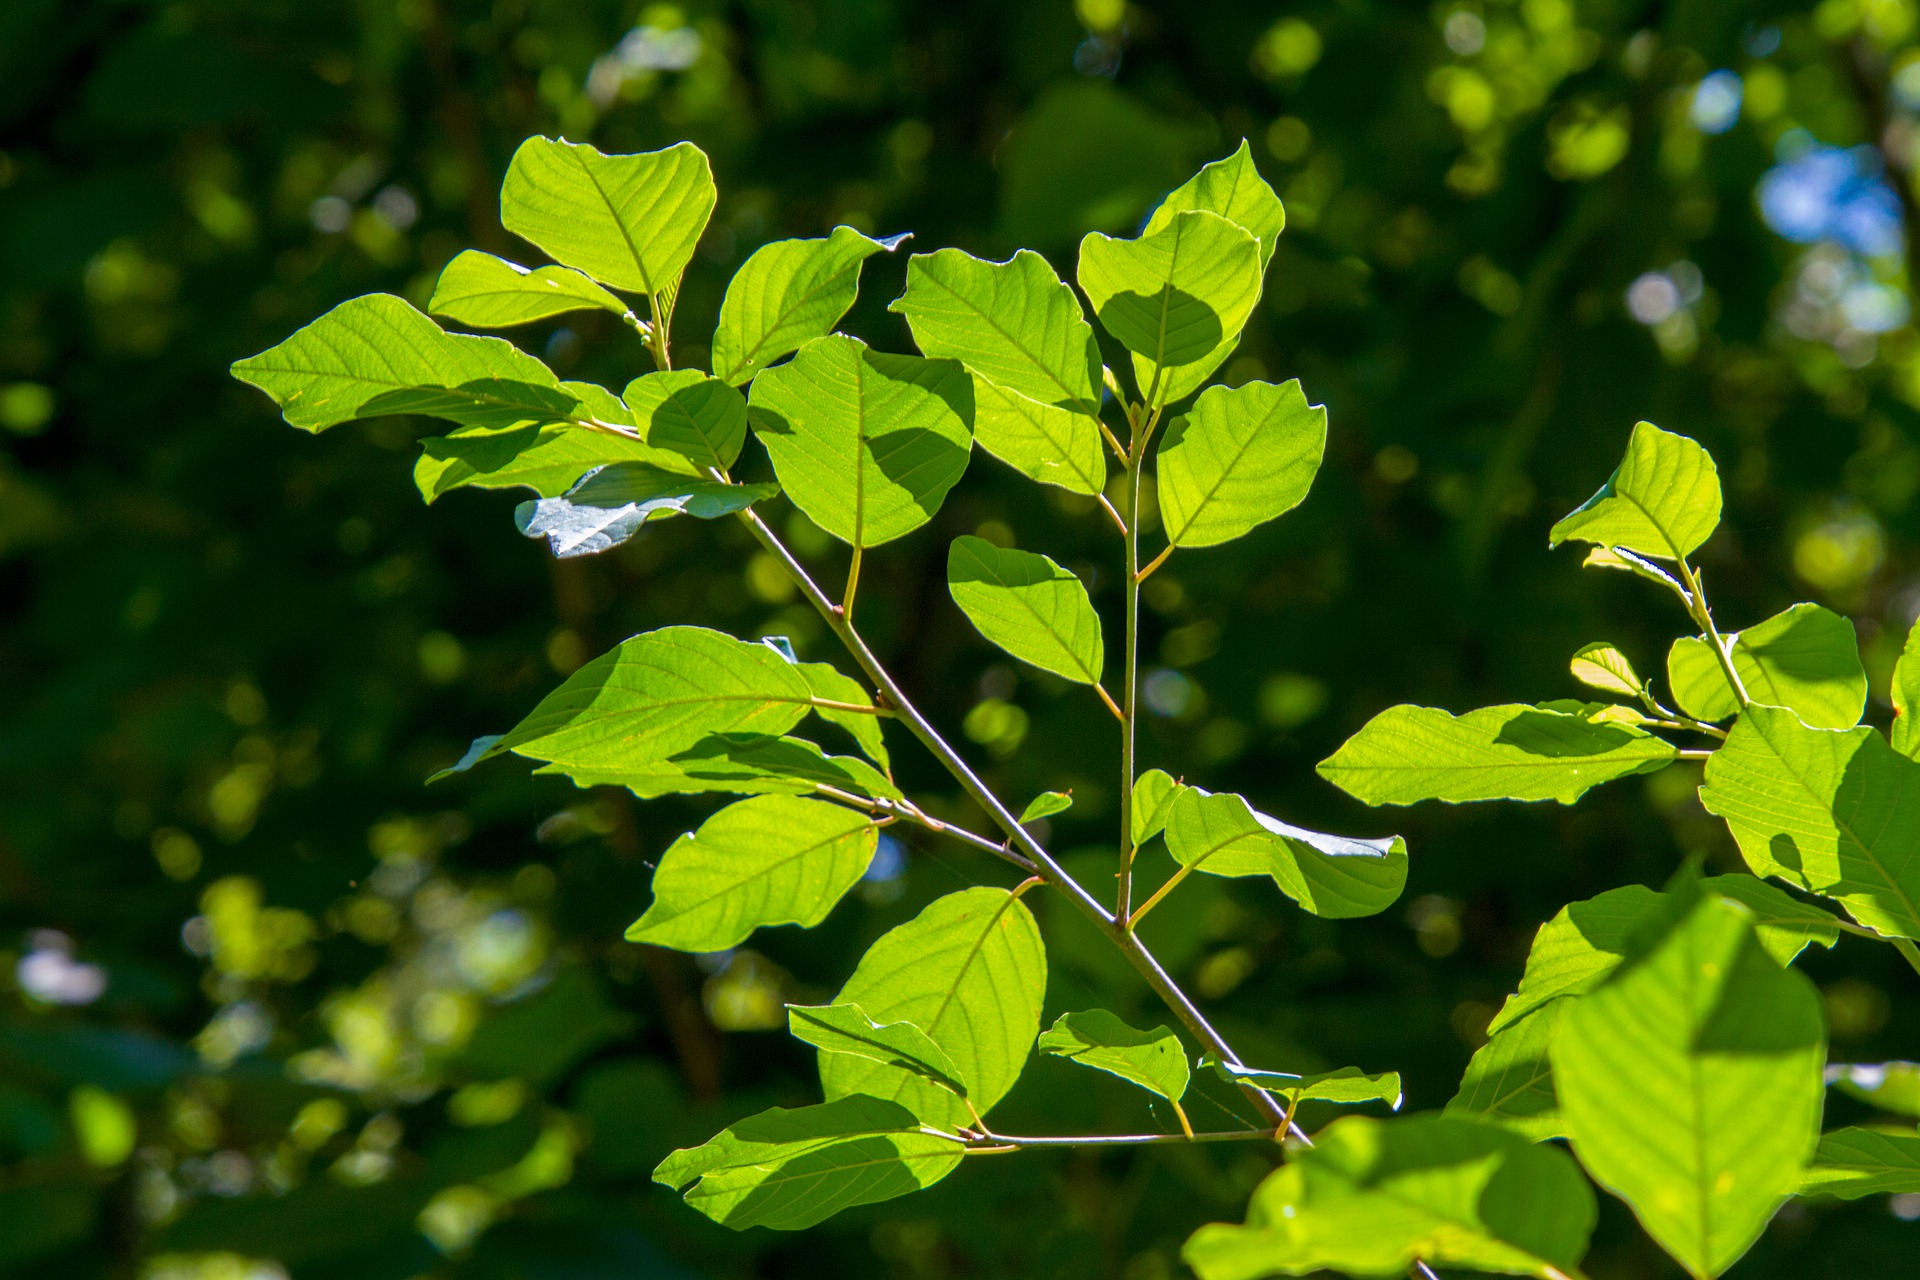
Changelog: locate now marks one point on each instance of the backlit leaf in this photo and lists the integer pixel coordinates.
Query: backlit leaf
(1234, 189)
(1601, 666)
(1153, 795)
(1042, 441)
(970, 971)
(1889, 1086)
(486, 292)
(1154, 1060)
(1806, 659)
(1243, 456)
(1663, 501)
(1906, 696)
(1028, 605)
(684, 412)
(1509, 1081)
(1691, 1084)
(846, 1028)
(1045, 805)
(763, 861)
(1343, 1085)
(609, 504)
(786, 294)
(1408, 754)
(1334, 876)
(748, 764)
(1850, 1163)
(546, 458)
(866, 443)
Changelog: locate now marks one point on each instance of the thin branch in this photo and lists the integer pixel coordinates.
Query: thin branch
(1112, 706)
(1113, 513)
(910, 812)
(1130, 663)
(1697, 605)
(1907, 951)
(854, 708)
(1165, 889)
(1113, 440)
(1155, 563)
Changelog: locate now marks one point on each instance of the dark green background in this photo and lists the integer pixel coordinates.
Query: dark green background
(230, 650)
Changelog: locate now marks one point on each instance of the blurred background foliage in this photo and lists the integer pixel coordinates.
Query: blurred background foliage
(274, 1010)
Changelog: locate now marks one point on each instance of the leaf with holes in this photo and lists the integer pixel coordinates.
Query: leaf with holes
(1243, 456)
(1028, 605)
(1333, 876)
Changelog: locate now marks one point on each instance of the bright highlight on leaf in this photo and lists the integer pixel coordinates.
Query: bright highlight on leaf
(1243, 456)
(1045, 805)
(1028, 605)
(1234, 189)
(609, 504)
(486, 292)
(1344, 1085)
(1333, 876)
(1888, 1086)
(846, 1028)
(1603, 667)
(1663, 501)
(787, 294)
(1155, 1060)
(1806, 659)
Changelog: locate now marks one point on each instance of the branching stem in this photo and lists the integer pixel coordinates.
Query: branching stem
(1697, 606)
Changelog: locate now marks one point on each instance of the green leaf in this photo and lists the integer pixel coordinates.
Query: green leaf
(1153, 795)
(764, 861)
(486, 292)
(546, 458)
(1786, 925)
(1371, 1197)
(1836, 812)
(1343, 1085)
(1028, 605)
(1639, 566)
(866, 443)
(1691, 1084)
(1851, 1163)
(846, 1028)
(1095, 1038)
(1601, 666)
(1906, 696)
(1408, 754)
(1806, 659)
(1234, 1072)
(1044, 442)
(628, 221)
(1890, 1086)
(791, 1169)
(1663, 500)
(1176, 298)
(1234, 189)
(970, 971)
(1243, 456)
(750, 764)
(684, 412)
(1509, 1081)
(376, 355)
(1013, 323)
(788, 293)
(610, 503)
(829, 684)
(1046, 804)
(1333, 876)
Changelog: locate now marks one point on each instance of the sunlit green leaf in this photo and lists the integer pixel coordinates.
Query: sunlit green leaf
(970, 971)
(1042, 441)
(1509, 1081)
(1889, 1086)
(1155, 1060)
(1906, 697)
(1045, 805)
(1028, 605)
(548, 459)
(1371, 1197)
(1153, 795)
(486, 292)
(628, 221)
(684, 412)
(609, 504)
(763, 861)
(1806, 659)
(1601, 666)
(1408, 754)
(1836, 812)
(1343, 1085)
(1850, 1163)
(1334, 876)
(788, 293)
(1234, 189)
(1243, 456)
(747, 764)
(1176, 298)
(866, 443)
(846, 1028)
(1663, 500)
(791, 1169)
(1691, 1084)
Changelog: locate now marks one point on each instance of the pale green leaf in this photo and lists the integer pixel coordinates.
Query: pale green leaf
(1153, 795)
(1786, 925)
(1850, 1163)
(546, 458)
(1601, 666)
(1234, 189)
(1028, 605)
(1806, 659)
(1372, 1197)
(791, 1169)
(1906, 696)
(1176, 298)
(1044, 442)
(1346, 1086)
(610, 503)
(1408, 754)
(1243, 456)
(376, 355)
(1691, 1084)
(829, 684)
(1890, 1086)
(1836, 812)
(684, 412)
(788, 293)
(866, 443)
(970, 971)
(1046, 804)
(1509, 1081)
(1154, 1060)
(846, 1028)
(763, 861)
(1333, 876)
(745, 764)
(1013, 323)
(486, 292)
(1663, 500)
(628, 221)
